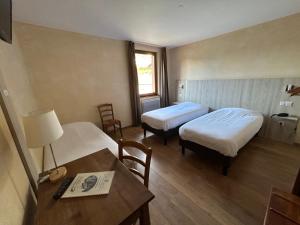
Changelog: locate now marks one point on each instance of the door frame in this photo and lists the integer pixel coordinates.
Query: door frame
(10, 117)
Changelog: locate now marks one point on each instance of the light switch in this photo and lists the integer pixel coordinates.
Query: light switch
(5, 92)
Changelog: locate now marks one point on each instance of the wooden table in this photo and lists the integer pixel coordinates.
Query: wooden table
(128, 198)
(283, 209)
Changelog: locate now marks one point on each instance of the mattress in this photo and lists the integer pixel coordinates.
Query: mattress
(79, 139)
(225, 130)
(173, 116)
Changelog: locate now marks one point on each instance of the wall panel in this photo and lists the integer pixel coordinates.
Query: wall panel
(263, 95)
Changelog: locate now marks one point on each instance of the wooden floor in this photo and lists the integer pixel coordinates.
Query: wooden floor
(191, 190)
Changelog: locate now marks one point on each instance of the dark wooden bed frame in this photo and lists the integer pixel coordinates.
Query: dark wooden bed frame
(227, 160)
(161, 133)
(196, 148)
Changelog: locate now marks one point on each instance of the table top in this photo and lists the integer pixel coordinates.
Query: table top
(127, 195)
(292, 118)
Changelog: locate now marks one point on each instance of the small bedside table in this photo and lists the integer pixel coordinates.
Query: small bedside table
(284, 128)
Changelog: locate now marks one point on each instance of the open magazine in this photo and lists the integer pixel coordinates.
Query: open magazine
(86, 184)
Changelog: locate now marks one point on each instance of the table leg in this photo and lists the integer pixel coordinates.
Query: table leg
(145, 216)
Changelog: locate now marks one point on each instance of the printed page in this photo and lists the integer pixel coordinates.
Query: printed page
(86, 184)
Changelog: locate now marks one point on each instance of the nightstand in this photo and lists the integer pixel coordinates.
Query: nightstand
(284, 128)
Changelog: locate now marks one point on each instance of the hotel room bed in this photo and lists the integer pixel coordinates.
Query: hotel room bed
(79, 139)
(225, 131)
(165, 122)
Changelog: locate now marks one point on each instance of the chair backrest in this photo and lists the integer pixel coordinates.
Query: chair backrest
(296, 188)
(106, 112)
(146, 164)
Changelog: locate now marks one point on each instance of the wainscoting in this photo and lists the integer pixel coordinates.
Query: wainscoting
(262, 95)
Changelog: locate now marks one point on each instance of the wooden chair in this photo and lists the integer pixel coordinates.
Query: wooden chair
(296, 187)
(146, 164)
(283, 207)
(107, 118)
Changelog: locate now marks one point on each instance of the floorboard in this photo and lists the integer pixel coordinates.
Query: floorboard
(190, 189)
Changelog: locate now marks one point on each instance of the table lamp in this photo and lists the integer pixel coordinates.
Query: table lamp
(43, 128)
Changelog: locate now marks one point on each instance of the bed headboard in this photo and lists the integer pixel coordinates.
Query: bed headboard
(263, 95)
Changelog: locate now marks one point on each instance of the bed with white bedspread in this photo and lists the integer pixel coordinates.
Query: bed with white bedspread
(225, 130)
(79, 139)
(165, 121)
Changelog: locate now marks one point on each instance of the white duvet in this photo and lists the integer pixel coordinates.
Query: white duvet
(79, 139)
(225, 130)
(173, 116)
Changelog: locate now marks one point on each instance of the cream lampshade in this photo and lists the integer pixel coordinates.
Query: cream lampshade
(43, 128)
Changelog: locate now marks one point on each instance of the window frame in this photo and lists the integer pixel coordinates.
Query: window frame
(154, 54)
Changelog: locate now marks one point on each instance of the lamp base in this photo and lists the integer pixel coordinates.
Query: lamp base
(57, 174)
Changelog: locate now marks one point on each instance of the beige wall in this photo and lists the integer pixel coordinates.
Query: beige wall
(21, 99)
(269, 50)
(15, 193)
(16, 78)
(73, 73)
(264, 51)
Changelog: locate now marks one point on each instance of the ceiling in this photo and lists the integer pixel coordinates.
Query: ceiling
(157, 22)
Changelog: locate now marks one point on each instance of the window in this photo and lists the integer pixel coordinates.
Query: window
(146, 69)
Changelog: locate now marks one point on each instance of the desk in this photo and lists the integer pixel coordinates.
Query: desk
(128, 198)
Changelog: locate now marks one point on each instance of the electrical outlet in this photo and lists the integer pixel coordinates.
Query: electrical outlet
(286, 103)
(289, 104)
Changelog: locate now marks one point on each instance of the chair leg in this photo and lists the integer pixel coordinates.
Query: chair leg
(105, 129)
(115, 129)
(145, 217)
(120, 127)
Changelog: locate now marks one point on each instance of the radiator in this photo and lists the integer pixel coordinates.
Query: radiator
(148, 104)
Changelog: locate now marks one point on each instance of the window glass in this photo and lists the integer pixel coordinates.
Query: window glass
(145, 63)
